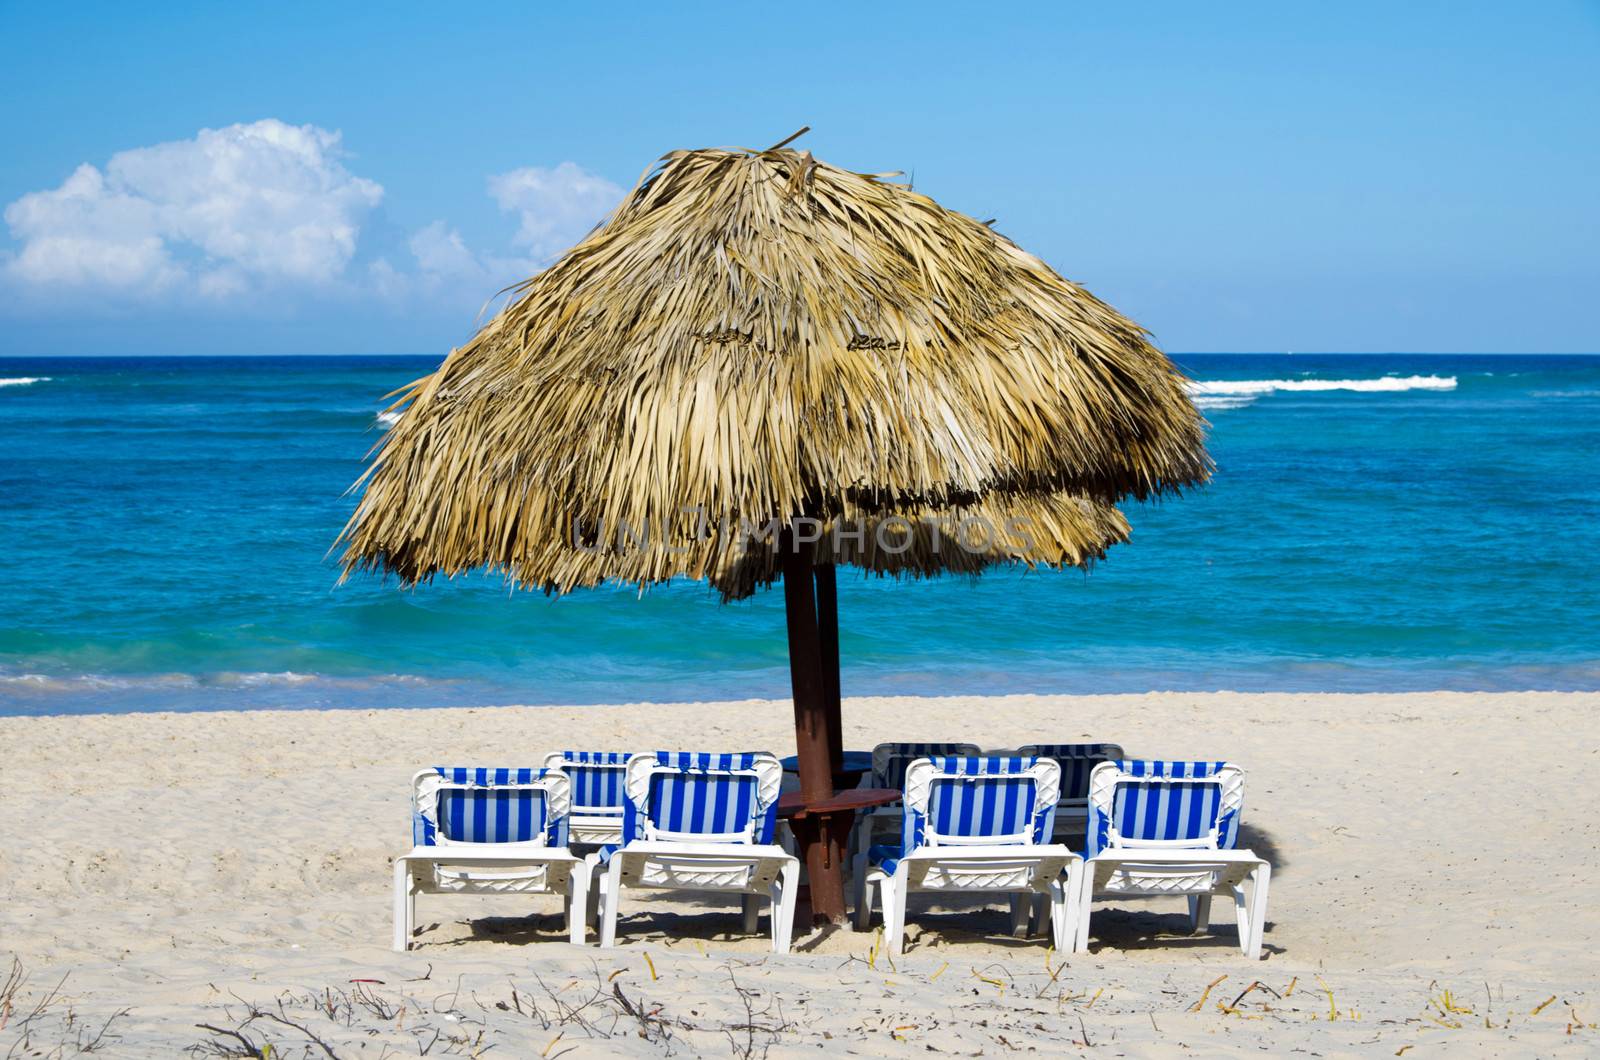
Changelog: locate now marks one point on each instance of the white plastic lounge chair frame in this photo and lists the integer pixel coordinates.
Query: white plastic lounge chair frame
(881, 824)
(703, 822)
(1181, 820)
(597, 794)
(489, 831)
(965, 830)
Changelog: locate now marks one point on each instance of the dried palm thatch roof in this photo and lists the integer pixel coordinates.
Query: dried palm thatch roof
(757, 336)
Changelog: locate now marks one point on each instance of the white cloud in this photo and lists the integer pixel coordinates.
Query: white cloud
(226, 212)
(270, 207)
(439, 249)
(555, 207)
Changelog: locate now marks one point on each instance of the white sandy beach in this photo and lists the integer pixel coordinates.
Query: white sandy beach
(1436, 882)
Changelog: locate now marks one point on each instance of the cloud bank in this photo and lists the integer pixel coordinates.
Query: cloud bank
(269, 207)
(227, 211)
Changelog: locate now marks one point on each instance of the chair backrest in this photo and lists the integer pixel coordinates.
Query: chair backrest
(890, 760)
(993, 801)
(597, 777)
(1141, 803)
(1077, 761)
(702, 798)
(463, 804)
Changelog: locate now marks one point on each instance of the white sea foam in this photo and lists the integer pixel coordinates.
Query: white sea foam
(24, 380)
(287, 677)
(96, 682)
(388, 419)
(1223, 401)
(227, 679)
(1255, 387)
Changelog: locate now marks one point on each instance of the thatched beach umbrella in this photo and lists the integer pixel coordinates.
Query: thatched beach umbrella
(761, 366)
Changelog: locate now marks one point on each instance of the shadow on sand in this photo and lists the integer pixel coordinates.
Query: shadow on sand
(1147, 923)
(673, 917)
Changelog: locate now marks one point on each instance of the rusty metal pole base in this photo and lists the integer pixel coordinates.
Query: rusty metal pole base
(824, 838)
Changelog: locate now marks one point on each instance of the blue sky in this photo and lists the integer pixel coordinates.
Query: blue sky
(1237, 177)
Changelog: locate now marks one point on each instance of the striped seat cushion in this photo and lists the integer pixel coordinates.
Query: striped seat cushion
(702, 803)
(489, 808)
(470, 816)
(1167, 811)
(983, 796)
(1185, 804)
(704, 794)
(981, 806)
(597, 779)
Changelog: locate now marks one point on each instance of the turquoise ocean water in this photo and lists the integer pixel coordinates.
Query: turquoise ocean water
(1376, 523)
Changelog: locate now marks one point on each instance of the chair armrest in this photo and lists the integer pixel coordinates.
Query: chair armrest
(488, 852)
(732, 851)
(1007, 851)
(1178, 857)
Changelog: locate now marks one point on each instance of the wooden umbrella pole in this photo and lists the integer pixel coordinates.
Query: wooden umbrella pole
(806, 674)
(821, 835)
(828, 629)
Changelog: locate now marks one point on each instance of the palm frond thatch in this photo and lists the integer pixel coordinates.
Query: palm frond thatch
(759, 336)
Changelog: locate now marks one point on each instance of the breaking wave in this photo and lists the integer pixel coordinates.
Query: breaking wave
(24, 380)
(1235, 393)
(1242, 387)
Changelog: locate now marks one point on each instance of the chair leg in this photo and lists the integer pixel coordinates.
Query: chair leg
(578, 904)
(864, 901)
(404, 906)
(895, 893)
(1021, 907)
(858, 879)
(783, 907)
(609, 903)
(1065, 904)
(1038, 917)
(1199, 913)
(752, 912)
(598, 880)
(1062, 914)
(1085, 904)
(1253, 926)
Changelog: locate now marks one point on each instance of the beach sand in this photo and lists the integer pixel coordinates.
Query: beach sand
(1437, 880)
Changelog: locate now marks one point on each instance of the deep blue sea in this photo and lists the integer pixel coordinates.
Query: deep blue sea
(1377, 522)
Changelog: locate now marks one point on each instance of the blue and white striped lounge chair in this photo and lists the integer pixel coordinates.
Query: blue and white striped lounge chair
(702, 822)
(489, 831)
(881, 824)
(597, 793)
(976, 824)
(1169, 828)
(1077, 761)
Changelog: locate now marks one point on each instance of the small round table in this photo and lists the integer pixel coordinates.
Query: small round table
(856, 764)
